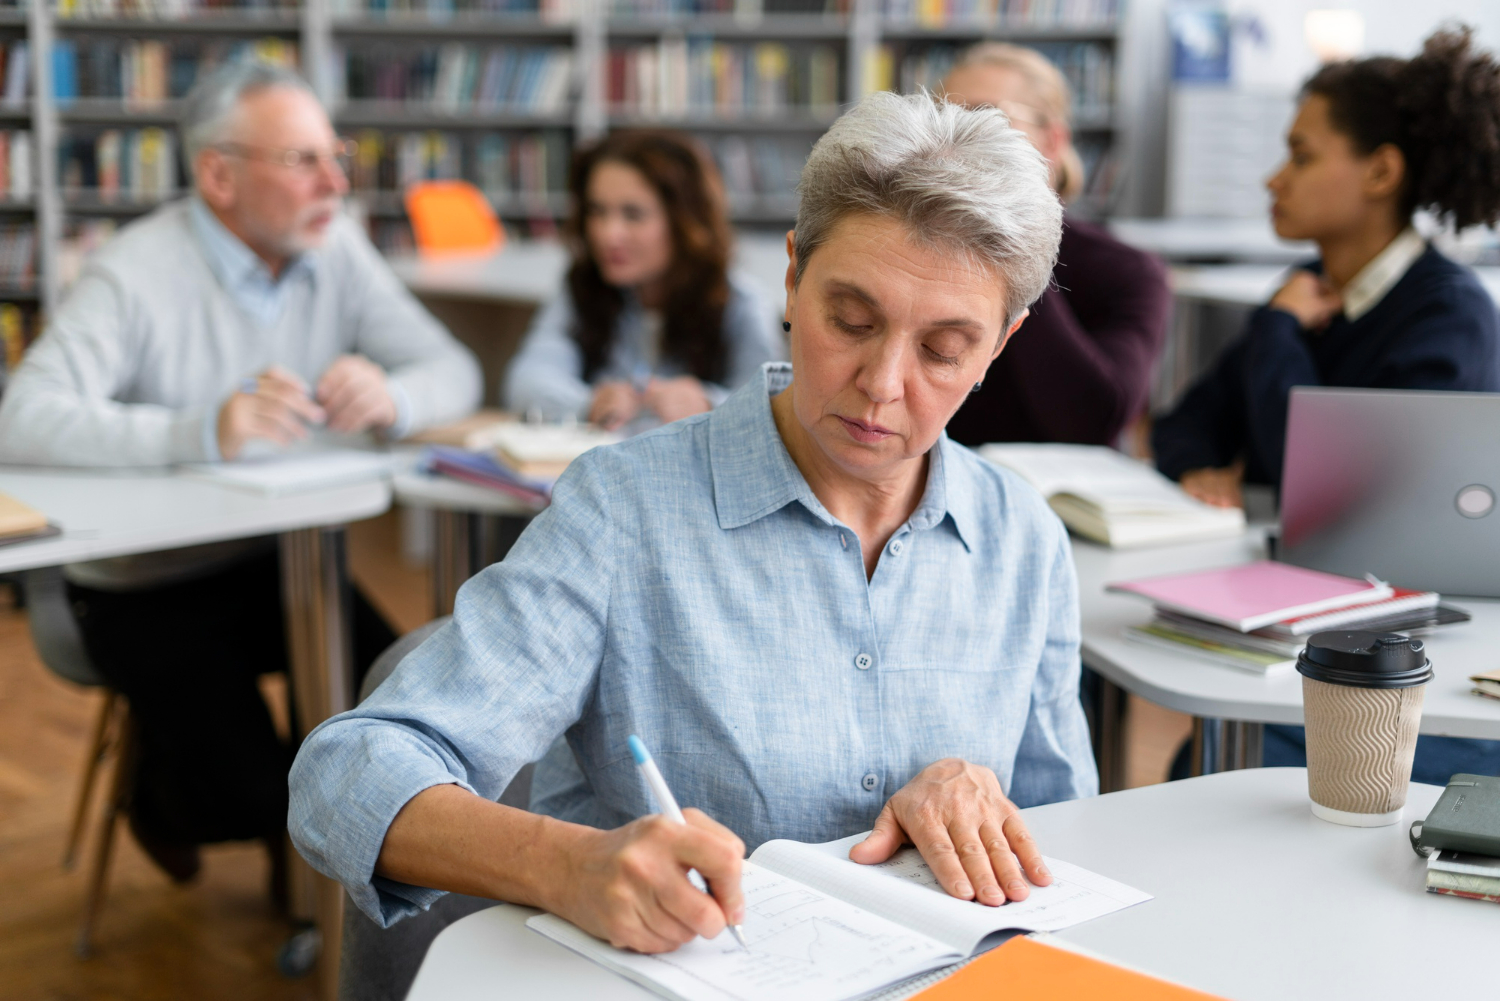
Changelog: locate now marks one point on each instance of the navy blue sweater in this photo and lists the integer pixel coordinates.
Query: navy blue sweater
(1435, 329)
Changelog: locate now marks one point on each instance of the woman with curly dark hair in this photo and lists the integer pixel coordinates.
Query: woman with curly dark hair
(653, 323)
(1374, 140)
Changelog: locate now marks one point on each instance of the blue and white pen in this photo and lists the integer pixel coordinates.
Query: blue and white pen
(669, 807)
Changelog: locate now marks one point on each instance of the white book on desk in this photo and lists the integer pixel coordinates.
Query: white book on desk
(1113, 499)
(275, 476)
(823, 928)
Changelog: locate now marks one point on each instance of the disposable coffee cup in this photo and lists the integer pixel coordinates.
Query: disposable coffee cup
(1362, 704)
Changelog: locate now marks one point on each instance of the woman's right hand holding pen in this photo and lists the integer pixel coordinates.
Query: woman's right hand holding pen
(630, 886)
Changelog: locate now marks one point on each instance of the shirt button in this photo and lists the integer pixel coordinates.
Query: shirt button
(863, 661)
(896, 546)
(870, 781)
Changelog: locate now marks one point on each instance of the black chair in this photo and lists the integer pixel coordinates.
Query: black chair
(379, 964)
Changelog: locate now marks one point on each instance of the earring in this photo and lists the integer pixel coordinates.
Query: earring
(976, 387)
(786, 325)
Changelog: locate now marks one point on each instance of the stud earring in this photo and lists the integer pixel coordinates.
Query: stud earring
(786, 325)
(976, 387)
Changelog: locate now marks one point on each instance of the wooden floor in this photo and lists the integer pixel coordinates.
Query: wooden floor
(215, 939)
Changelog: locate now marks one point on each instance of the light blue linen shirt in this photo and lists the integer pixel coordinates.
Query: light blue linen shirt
(546, 375)
(687, 586)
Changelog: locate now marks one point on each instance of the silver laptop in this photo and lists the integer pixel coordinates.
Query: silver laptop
(1402, 484)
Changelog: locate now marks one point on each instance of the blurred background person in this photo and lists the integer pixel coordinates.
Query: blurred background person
(653, 324)
(1374, 140)
(1079, 369)
(248, 314)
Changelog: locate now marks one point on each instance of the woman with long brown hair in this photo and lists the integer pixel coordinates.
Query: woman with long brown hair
(653, 323)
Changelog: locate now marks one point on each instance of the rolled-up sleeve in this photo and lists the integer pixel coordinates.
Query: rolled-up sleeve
(483, 696)
(1055, 760)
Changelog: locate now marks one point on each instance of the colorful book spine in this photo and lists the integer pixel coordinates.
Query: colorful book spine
(458, 77)
(675, 77)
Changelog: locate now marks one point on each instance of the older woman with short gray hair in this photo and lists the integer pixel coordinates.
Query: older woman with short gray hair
(821, 615)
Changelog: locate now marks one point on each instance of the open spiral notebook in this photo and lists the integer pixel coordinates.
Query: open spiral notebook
(823, 928)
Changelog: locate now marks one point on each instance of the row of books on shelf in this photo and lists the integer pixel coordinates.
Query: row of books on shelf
(546, 10)
(17, 254)
(678, 77)
(1257, 617)
(457, 76)
(1019, 13)
(16, 164)
(743, 9)
(763, 167)
(15, 73)
(161, 10)
(502, 165)
(145, 71)
(121, 165)
(1087, 66)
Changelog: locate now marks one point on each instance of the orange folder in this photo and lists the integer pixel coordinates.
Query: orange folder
(1025, 968)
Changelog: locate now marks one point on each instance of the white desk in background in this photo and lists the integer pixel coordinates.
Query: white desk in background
(1210, 240)
(473, 526)
(1254, 284)
(104, 514)
(1256, 899)
(531, 272)
(1229, 707)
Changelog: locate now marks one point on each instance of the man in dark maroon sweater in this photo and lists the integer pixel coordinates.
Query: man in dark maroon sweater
(1079, 369)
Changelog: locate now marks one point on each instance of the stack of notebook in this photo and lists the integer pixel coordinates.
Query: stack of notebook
(485, 470)
(523, 460)
(1257, 617)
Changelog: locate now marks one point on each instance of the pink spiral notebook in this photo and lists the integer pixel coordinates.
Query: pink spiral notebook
(1254, 595)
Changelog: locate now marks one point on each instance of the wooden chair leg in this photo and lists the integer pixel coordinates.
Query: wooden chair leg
(119, 794)
(98, 749)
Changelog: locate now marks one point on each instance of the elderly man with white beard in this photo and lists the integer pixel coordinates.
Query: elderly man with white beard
(246, 314)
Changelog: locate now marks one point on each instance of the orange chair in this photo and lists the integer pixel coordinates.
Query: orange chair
(452, 217)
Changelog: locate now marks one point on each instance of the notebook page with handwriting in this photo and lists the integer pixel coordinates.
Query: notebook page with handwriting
(803, 943)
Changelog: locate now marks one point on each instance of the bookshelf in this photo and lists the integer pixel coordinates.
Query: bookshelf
(494, 91)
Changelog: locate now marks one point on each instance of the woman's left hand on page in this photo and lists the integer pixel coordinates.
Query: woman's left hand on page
(971, 835)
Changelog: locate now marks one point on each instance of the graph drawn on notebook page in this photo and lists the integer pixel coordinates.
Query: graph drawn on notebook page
(798, 937)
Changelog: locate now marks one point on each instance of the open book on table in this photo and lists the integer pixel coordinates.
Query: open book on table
(1113, 499)
(823, 928)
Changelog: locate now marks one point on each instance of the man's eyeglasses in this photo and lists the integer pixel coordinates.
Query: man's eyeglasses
(341, 155)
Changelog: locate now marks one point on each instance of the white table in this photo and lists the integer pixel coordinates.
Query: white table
(105, 514)
(1211, 239)
(1255, 899)
(1253, 284)
(1211, 693)
(473, 526)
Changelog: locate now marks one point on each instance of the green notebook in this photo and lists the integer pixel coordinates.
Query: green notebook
(1465, 819)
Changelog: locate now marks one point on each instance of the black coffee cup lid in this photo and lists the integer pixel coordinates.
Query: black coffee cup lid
(1363, 659)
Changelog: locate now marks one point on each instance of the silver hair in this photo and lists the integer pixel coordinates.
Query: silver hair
(956, 178)
(209, 110)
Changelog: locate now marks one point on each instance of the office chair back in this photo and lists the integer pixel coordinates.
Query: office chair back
(452, 217)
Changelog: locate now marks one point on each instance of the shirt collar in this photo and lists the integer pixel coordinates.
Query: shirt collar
(233, 263)
(754, 475)
(1378, 277)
